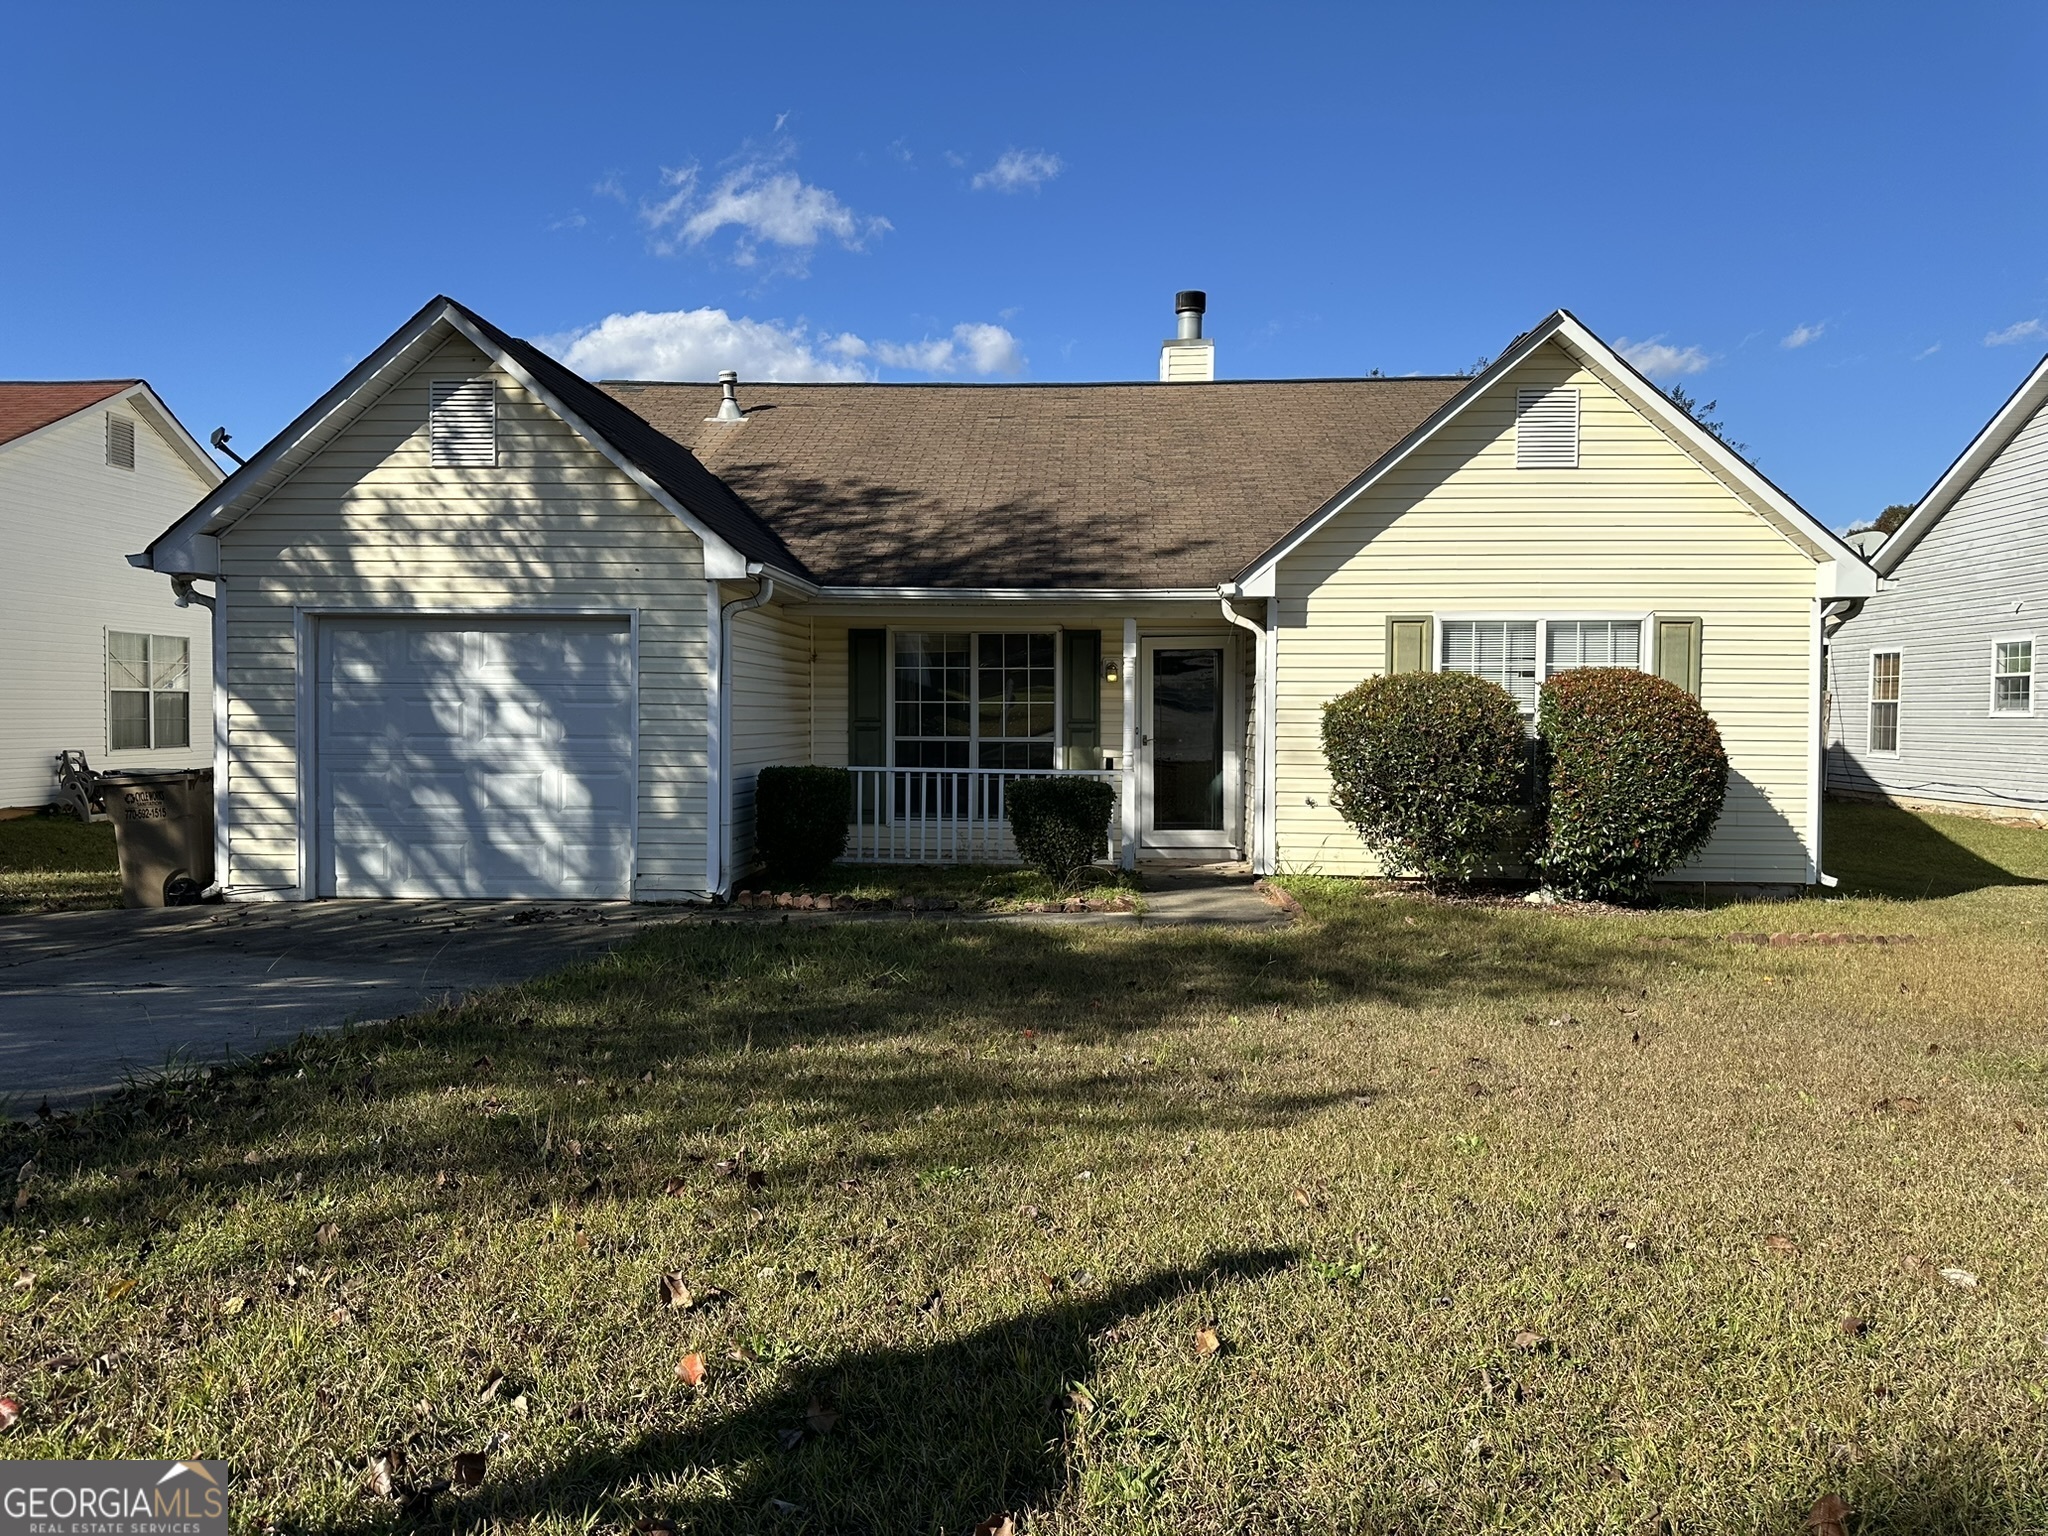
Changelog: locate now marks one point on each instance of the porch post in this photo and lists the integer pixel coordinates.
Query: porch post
(1129, 858)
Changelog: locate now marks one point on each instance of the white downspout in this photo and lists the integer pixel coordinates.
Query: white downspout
(217, 616)
(1260, 843)
(721, 840)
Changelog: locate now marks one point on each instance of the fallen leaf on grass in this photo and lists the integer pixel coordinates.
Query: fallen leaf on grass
(10, 1413)
(233, 1306)
(821, 1416)
(1207, 1341)
(1830, 1517)
(252, 1157)
(1530, 1340)
(25, 1281)
(1854, 1327)
(1779, 1243)
(1962, 1278)
(386, 1468)
(790, 1438)
(997, 1525)
(690, 1369)
(327, 1234)
(121, 1290)
(675, 1292)
(490, 1387)
(468, 1469)
(655, 1525)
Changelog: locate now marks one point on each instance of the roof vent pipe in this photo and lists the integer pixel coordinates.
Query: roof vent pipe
(729, 407)
(1189, 305)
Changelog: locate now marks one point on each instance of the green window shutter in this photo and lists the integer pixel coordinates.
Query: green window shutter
(867, 697)
(1411, 643)
(1083, 702)
(1677, 656)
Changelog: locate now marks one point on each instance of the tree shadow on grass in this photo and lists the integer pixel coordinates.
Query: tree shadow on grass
(1961, 1490)
(934, 1438)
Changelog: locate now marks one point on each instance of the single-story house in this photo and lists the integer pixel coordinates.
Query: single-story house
(1935, 679)
(491, 629)
(101, 659)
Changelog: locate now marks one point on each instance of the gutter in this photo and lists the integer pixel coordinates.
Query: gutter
(764, 590)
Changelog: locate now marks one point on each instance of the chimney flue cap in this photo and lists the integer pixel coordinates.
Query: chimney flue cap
(1191, 301)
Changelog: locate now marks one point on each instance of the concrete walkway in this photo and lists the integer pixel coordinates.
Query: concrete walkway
(89, 999)
(1215, 894)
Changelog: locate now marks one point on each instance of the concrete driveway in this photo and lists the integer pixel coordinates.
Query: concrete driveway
(89, 999)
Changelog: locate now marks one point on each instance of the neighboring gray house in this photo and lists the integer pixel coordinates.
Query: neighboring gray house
(1934, 682)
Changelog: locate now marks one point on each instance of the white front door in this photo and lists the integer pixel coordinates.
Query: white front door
(1186, 756)
(475, 758)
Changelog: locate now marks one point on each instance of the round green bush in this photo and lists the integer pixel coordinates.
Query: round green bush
(1635, 776)
(1432, 769)
(1061, 825)
(800, 817)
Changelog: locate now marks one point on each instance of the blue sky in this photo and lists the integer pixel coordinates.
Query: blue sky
(1828, 218)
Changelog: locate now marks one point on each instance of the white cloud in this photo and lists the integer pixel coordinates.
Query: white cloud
(611, 186)
(1017, 169)
(766, 205)
(1802, 334)
(1660, 360)
(1926, 352)
(972, 348)
(696, 343)
(2018, 331)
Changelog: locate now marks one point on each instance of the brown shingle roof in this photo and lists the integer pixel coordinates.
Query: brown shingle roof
(1038, 486)
(26, 407)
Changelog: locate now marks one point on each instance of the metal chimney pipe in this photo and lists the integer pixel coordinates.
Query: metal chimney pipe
(1189, 305)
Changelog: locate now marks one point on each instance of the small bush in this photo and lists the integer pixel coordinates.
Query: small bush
(1061, 825)
(1432, 769)
(1635, 775)
(800, 817)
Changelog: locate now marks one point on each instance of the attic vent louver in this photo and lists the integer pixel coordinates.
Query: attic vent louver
(120, 442)
(465, 424)
(1547, 429)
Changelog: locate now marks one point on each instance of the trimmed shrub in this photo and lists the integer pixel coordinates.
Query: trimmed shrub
(800, 817)
(1634, 774)
(1061, 825)
(1432, 769)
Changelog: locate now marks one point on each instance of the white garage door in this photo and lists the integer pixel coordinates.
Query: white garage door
(475, 758)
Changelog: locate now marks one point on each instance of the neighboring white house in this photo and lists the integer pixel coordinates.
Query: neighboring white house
(100, 658)
(495, 630)
(1937, 679)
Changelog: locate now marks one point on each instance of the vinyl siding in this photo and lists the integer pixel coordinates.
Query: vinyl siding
(1640, 527)
(1980, 574)
(370, 525)
(771, 710)
(69, 520)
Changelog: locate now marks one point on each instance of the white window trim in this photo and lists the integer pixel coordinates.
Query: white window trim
(974, 633)
(2033, 674)
(1871, 701)
(1544, 618)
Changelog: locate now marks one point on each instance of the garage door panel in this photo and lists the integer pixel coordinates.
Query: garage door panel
(492, 758)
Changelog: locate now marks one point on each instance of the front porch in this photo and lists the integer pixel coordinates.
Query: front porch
(937, 707)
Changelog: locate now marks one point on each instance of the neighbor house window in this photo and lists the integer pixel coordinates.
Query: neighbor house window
(149, 691)
(2012, 676)
(1884, 701)
(1519, 654)
(975, 701)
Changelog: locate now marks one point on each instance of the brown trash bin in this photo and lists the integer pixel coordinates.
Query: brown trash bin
(163, 827)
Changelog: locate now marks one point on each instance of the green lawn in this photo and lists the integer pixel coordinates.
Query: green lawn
(55, 864)
(977, 887)
(1499, 1219)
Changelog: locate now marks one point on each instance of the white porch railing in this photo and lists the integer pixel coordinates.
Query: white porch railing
(947, 815)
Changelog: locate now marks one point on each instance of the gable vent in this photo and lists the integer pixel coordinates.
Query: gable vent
(1547, 429)
(120, 442)
(465, 424)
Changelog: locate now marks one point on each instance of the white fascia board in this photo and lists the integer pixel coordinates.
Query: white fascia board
(721, 561)
(1987, 445)
(150, 406)
(1015, 594)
